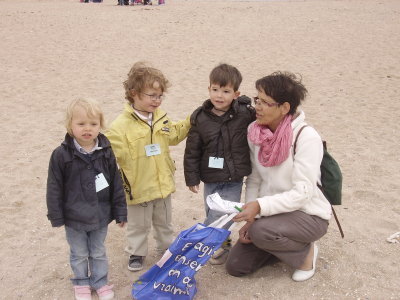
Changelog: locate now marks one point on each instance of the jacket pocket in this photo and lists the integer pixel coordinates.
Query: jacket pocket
(136, 144)
(164, 131)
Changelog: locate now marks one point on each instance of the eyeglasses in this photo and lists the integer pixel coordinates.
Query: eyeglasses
(155, 97)
(263, 102)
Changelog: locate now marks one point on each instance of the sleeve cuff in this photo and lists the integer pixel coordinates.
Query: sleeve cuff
(57, 222)
(121, 219)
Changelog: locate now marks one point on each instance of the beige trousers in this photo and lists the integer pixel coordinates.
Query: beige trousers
(140, 219)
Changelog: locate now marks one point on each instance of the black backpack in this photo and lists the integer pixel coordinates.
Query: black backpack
(331, 178)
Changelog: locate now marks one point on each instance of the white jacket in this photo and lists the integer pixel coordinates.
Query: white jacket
(292, 185)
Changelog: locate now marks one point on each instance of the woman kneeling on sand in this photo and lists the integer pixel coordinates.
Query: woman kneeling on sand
(285, 211)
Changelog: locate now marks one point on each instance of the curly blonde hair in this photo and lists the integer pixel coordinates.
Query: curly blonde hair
(91, 107)
(142, 76)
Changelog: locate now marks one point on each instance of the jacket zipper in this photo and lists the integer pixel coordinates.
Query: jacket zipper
(151, 126)
(127, 186)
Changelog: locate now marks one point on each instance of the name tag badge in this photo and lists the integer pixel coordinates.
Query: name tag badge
(101, 182)
(152, 149)
(216, 162)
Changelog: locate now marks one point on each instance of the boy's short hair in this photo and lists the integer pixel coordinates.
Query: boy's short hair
(224, 75)
(91, 107)
(283, 87)
(142, 76)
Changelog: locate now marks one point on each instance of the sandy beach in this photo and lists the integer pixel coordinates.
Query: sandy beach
(53, 51)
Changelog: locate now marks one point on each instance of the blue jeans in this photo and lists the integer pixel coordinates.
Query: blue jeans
(231, 191)
(88, 256)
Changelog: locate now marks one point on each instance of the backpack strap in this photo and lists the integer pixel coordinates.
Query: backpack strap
(297, 137)
(318, 185)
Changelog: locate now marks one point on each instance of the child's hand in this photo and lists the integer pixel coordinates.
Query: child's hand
(195, 189)
(122, 224)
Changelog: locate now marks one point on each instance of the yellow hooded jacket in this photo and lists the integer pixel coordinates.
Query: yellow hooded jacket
(146, 177)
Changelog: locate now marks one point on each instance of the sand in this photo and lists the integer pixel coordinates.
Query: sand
(53, 51)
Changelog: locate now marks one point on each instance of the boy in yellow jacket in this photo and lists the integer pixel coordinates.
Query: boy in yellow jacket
(140, 138)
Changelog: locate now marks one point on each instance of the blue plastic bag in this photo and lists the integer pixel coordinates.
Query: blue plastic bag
(172, 277)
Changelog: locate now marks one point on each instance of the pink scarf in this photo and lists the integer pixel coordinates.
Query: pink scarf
(274, 146)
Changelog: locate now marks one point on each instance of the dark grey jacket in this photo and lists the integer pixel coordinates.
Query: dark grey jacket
(219, 136)
(71, 191)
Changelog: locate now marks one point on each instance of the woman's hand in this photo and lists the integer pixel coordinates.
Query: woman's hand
(249, 212)
(244, 237)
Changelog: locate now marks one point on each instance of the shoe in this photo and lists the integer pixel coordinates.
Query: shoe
(221, 255)
(300, 275)
(105, 292)
(135, 263)
(82, 292)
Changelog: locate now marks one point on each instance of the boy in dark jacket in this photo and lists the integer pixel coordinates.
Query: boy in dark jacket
(85, 193)
(216, 151)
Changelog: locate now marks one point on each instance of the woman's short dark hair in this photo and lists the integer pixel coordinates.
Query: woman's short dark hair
(283, 87)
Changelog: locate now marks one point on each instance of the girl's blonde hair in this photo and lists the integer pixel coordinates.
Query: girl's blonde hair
(142, 76)
(91, 107)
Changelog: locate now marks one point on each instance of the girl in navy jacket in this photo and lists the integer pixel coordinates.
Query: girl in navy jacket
(85, 193)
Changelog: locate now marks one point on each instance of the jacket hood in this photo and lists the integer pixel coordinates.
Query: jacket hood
(235, 107)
